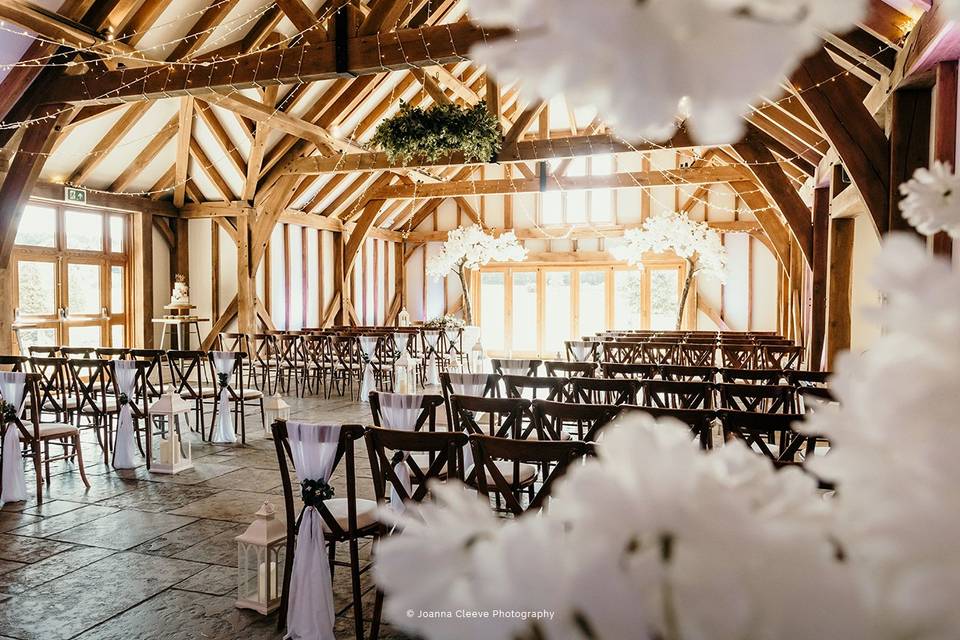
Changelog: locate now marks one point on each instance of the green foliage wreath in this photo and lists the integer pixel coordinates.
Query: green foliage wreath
(442, 129)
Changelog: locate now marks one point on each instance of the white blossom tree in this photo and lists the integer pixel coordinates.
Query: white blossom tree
(696, 72)
(471, 248)
(693, 241)
(931, 200)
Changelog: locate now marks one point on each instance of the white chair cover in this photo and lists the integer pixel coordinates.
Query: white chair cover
(468, 384)
(12, 386)
(368, 346)
(400, 411)
(580, 349)
(310, 610)
(432, 338)
(224, 362)
(515, 367)
(125, 449)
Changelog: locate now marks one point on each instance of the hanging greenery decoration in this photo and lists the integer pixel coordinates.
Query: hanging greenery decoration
(438, 131)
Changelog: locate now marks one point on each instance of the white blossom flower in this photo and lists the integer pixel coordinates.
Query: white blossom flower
(638, 60)
(893, 445)
(677, 232)
(932, 200)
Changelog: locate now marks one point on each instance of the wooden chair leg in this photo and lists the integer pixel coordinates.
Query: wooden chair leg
(357, 591)
(79, 452)
(38, 473)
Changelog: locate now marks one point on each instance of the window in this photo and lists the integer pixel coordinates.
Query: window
(579, 206)
(70, 274)
(532, 310)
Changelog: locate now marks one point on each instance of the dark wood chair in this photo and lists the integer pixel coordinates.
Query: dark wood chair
(238, 395)
(565, 369)
(97, 397)
(781, 356)
(659, 352)
(500, 460)
(604, 390)
(265, 361)
(426, 419)
(739, 356)
(700, 421)
(697, 355)
(192, 378)
(801, 379)
(291, 363)
(751, 376)
(467, 384)
(621, 352)
(515, 366)
(428, 456)
(112, 353)
(771, 434)
(16, 364)
(666, 394)
(345, 520)
(554, 418)
(533, 388)
(582, 350)
(757, 398)
(635, 370)
(55, 389)
(687, 373)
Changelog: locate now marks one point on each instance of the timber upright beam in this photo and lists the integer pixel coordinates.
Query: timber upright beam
(909, 145)
(841, 281)
(821, 254)
(945, 133)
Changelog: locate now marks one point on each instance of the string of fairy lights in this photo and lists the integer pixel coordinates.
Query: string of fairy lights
(238, 24)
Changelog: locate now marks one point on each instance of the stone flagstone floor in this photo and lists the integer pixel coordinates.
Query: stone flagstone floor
(151, 557)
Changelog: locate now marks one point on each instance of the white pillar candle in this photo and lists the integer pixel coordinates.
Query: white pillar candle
(263, 587)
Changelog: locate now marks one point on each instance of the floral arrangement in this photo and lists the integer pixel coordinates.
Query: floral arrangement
(696, 73)
(442, 129)
(691, 240)
(470, 248)
(444, 322)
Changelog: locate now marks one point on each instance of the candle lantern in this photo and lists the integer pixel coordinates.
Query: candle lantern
(261, 552)
(477, 358)
(403, 318)
(274, 408)
(171, 456)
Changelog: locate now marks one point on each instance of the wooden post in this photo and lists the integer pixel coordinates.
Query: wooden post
(181, 260)
(246, 293)
(341, 286)
(821, 252)
(945, 132)
(841, 281)
(142, 279)
(909, 145)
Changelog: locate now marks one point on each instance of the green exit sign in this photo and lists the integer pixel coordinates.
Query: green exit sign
(76, 195)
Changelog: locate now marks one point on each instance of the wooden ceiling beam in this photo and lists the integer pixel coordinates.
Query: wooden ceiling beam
(182, 162)
(220, 135)
(368, 55)
(698, 175)
(276, 119)
(308, 24)
(108, 142)
(146, 156)
(258, 148)
(201, 158)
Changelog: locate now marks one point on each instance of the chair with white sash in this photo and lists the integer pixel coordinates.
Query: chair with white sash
(481, 385)
(317, 451)
(515, 367)
(21, 426)
(229, 366)
(431, 353)
(582, 350)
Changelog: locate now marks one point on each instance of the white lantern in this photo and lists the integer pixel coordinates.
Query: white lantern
(261, 552)
(401, 382)
(274, 408)
(403, 318)
(476, 358)
(170, 457)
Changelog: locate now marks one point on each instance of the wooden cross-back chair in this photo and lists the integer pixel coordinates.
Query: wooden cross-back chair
(319, 363)
(621, 352)
(697, 355)
(291, 363)
(83, 353)
(13, 363)
(739, 356)
(604, 390)
(666, 394)
(264, 363)
(427, 455)
(515, 366)
(551, 419)
(687, 373)
(534, 388)
(451, 384)
(239, 396)
(590, 349)
(751, 376)
(95, 388)
(44, 351)
(426, 419)
(700, 421)
(758, 398)
(54, 386)
(782, 356)
(191, 377)
(348, 520)
(772, 435)
(37, 437)
(565, 369)
(112, 353)
(807, 378)
(150, 382)
(503, 416)
(634, 370)
(498, 461)
(347, 367)
(659, 352)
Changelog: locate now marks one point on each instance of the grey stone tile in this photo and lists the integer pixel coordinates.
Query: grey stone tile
(182, 615)
(20, 549)
(63, 608)
(219, 549)
(45, 527)
(236, 506)
(203, 470)
(15, 519)
(52, 507)
(52, 568)
(181, 539)
(252, 479)
(215, 580)
(157, 498)
(7, 566)
(123, 529)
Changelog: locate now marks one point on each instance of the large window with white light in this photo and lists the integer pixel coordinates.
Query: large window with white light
(578, 206)
(531, 310)
(70, 277)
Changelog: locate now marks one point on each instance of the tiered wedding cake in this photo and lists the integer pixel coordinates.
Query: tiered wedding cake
(180, 295)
